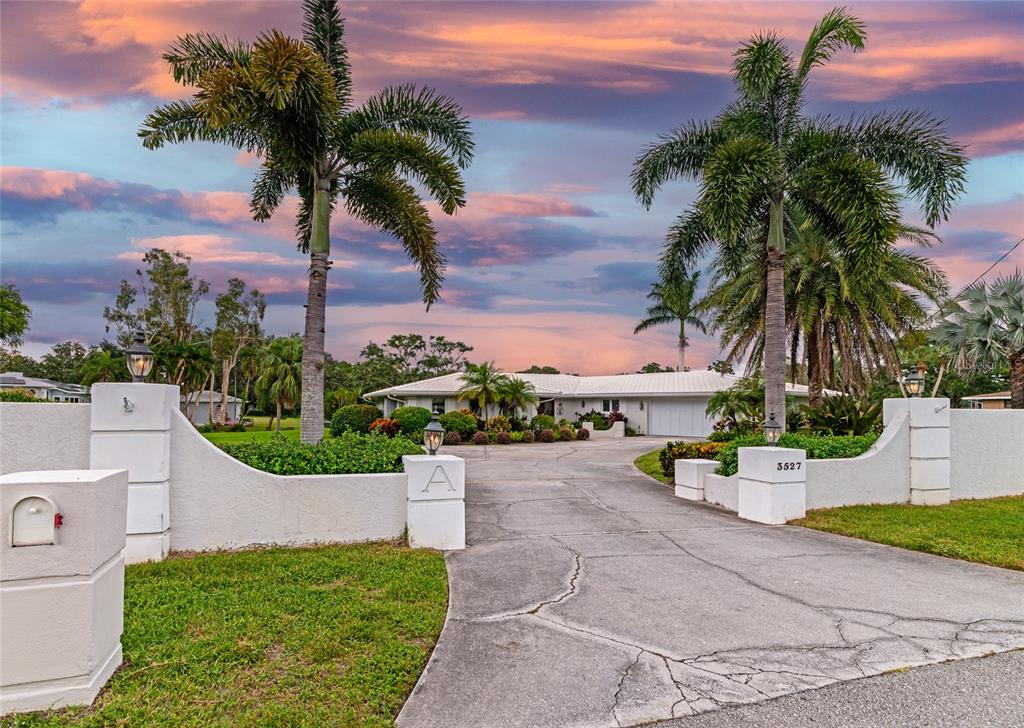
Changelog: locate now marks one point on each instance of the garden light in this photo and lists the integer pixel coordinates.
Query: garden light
(915, 383)
(772, 429)
(140, 358)
(433, 434)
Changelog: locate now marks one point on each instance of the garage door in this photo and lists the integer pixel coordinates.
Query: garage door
(682, 417)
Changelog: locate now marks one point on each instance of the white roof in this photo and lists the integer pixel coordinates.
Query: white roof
(662, 384)
(17, 379)
(991, 395)
(204, 396)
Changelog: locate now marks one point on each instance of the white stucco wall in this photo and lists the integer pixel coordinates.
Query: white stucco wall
(722, 490)
(218, 502)
(986, 453)
(43, 436)
(881, 475)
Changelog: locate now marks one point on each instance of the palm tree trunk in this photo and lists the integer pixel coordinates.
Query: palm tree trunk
(278, 428)
(225, 377)
(775, 321)
(1017, 380)
(209, 400)
(312, 427)
(814, 373)
(682, 346)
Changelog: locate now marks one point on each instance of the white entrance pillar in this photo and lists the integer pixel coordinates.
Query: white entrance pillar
(131, 430)
(772, 484)
(929, 447)
(436, 501)
(61, 585)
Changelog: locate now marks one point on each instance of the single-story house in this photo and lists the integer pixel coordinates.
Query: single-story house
(666, 403)
(201, 413)
(994, 400)
(45, 388)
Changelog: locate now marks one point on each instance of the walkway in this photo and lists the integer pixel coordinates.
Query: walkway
(590, 596)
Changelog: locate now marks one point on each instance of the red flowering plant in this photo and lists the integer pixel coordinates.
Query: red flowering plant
(384, 426)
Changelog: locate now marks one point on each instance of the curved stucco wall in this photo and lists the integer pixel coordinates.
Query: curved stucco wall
(218, 502)
(881, 475)
(43, 436)
(986, 449)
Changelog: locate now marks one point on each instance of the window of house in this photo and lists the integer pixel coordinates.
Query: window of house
(437, 405)
(610, 405)
(615, 405)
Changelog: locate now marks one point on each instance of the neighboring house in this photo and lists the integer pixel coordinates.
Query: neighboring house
(666, 403)
(45, 388)
(201, 413)
(995, 400)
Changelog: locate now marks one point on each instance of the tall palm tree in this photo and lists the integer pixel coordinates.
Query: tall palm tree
(673, 302)
(986, 326)
(843, 322)
(482, 383)
(289, 101)
(281, 374)
(517, 394)
(762, 158)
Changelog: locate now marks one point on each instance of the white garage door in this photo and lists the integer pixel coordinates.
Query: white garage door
(682, 417)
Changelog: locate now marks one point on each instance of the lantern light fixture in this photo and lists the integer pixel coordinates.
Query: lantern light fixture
(772, 429)
(433, 434)
(914, 383)
(140, 357)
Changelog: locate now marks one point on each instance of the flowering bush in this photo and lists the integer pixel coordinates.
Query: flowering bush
(547, 435)
(480, 438)
(614, 417)
(384, 426)
(502, 438)
(582, 434)
(687, 451)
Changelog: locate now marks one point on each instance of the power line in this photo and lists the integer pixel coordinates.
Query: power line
(988, 270)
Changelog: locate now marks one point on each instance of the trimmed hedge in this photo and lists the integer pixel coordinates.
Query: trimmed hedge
(349, 452)
(542, 422)
(818, 447)
(460, 421)
(411, 419)
(354, 418)
(687, 451)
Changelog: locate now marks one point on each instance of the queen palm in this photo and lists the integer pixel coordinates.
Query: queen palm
(673, 302)
(517, 394)
(762, 158)
(482, 383)
(985, 326)
(289, 101)
(280, 378)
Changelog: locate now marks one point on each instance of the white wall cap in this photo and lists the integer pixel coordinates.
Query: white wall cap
(773, 464)
(929, 412)
(892, 407)
(152, 406)
(691, 471)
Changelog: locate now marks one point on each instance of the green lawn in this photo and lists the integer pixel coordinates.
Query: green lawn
(987, 531)
(258, 431)
(335, 635)
(649, 463)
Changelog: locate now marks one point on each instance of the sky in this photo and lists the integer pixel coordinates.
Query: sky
(551, 259)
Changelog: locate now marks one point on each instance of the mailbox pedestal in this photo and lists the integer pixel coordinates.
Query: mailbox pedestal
(436, 498)
(61, 587)
(772, 484)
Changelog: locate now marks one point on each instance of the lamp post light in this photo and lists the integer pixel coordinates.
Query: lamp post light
(433, 434)
(914, 383)
(772, 429)
(140, 358)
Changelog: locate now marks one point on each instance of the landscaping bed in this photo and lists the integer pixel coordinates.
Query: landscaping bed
(349, 452)
(335, 635)
(989, 531)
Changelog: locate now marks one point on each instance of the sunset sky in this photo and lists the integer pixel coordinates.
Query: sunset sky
(552, 257)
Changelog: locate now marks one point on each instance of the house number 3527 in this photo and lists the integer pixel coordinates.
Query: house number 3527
(788, 466)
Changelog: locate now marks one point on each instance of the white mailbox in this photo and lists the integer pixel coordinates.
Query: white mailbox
(33, 522)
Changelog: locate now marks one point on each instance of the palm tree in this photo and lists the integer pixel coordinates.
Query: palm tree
(517, 394)
(762, 158)
(986, 326)
(482, 383)
(289, 101)
(673, 302)
(102, 366)
(841, 321)
(281, 374)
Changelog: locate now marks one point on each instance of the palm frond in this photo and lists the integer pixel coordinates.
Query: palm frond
(323, 29)
(762, 68)
(837, 30)
(193, 55)
(679, 155)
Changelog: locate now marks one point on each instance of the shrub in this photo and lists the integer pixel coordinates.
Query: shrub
(460, 421)
(384, 426)
(480, 438)
(502, 437)
(547, 435)
(818, 447)
(516, 436)
(542, 422)
(596, 418)
(528, 436)
(845, 415)
(722, 436)
(518, 424)
(19, 394)
(354, 418)
(499, 423)
(411, 419)
(582, 434)
(614, 417)
(452, 438)
(686, 451)
(566, 433)
(349, 452)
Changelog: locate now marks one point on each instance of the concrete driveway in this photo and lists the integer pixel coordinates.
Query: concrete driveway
(590, 596)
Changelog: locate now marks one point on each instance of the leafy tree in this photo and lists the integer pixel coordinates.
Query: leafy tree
(517, 394)
(537, 369)
(673, 303)
(290, 102)
(483, 384)
(402, 358)
(984, 327)
(762, 158)
(280, 377)
(63, 363)
(13, 361)
(721, 366)
(653, 368)
(15, 316)
(239, 324)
